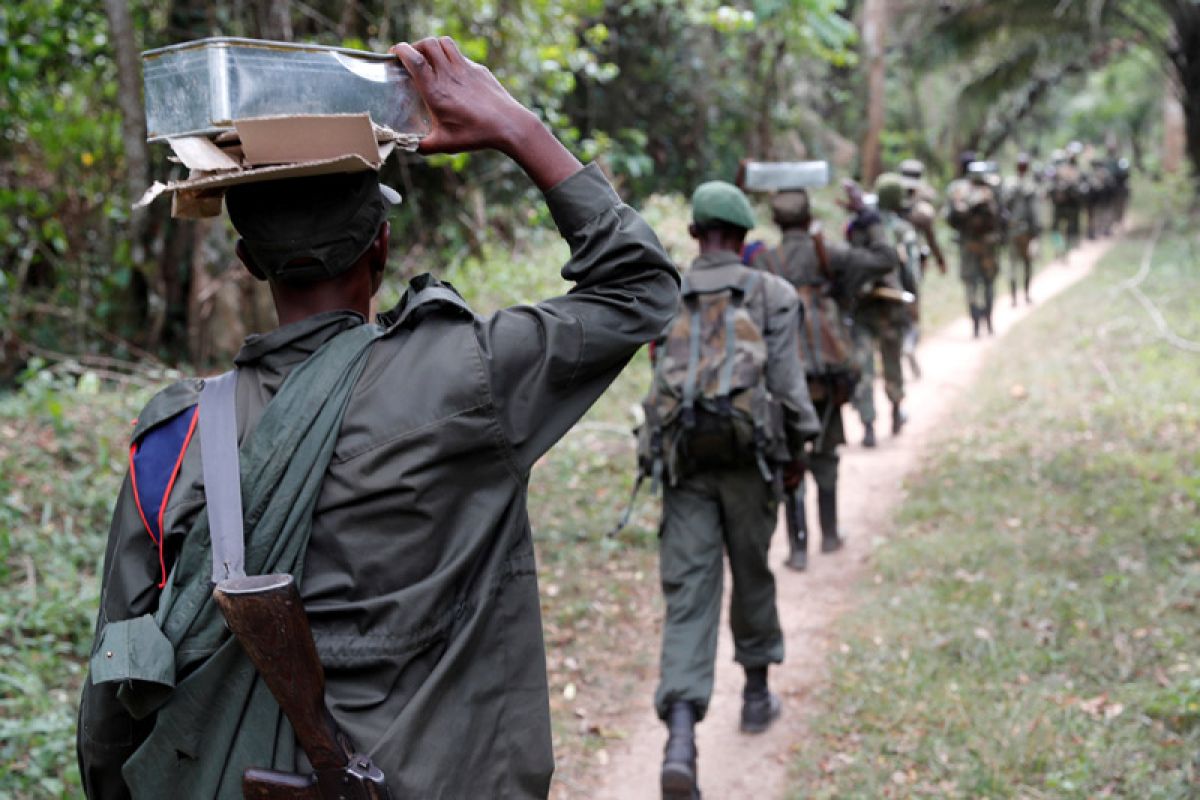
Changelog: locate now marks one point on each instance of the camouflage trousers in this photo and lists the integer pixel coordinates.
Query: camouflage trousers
(879, 327)
(1020, 261)
(978, 265)
(705, 517)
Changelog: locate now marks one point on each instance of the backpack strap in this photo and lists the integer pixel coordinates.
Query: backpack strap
(222, 475)
(737, 300)
(693, 365)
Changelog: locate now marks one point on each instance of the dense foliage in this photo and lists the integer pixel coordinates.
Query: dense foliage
(664, 93)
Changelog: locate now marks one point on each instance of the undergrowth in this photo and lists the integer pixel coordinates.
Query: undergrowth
(1031, 631)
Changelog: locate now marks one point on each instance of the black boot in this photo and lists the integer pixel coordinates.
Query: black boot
(831, 539)
(797, 528)
(975, 320)
(1013, 285)
(868, 434)
(759, 706)
(987, 318)
(898, 418)
(680, 779)
(1028, 280)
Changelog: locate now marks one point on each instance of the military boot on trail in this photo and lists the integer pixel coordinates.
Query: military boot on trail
(760, 706)
(680, 779)
(868, 434)
(831, 539)
(797, 528)
(898, 418)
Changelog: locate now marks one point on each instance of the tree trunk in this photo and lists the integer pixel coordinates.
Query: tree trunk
(1174, 137)
(874, 30)
(1186, 59)
(133, 117)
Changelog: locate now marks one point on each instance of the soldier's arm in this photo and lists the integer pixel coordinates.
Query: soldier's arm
(785, 370)
(549, 362)
(854, 267)
(107, 735)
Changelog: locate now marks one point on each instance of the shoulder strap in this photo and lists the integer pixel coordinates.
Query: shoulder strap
(222, 475)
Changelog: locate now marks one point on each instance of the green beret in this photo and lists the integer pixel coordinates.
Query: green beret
(718, 201)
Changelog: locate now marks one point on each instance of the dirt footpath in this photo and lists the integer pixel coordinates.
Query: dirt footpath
(734, 766)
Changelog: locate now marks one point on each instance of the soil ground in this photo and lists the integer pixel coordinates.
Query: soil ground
(734, 765)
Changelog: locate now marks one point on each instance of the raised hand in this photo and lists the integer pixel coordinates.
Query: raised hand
(472, 111)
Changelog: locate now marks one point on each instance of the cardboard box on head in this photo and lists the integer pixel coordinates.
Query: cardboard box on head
(238, 111)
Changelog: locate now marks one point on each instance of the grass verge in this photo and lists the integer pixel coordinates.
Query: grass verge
(1031, 631)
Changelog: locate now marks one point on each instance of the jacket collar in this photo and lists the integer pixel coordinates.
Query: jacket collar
(716, 259)
(288, 345)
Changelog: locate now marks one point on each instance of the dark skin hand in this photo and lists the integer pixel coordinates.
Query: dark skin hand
(472, 111)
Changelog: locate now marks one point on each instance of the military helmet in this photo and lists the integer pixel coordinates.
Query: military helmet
(891, 190)
(912, 168)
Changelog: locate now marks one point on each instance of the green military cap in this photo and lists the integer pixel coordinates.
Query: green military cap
(891, 189)
(312, 228)
(718, 201)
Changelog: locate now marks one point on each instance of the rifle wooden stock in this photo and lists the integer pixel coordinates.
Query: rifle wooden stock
(267, 616)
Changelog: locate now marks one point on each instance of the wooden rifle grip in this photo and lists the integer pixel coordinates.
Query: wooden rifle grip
(818, 239)
(267, 616)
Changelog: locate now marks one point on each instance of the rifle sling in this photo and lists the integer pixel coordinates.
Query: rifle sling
(222, 475)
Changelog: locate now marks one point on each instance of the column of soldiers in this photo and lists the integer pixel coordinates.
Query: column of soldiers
(755, 351)
(801, 323)
(1083, 201)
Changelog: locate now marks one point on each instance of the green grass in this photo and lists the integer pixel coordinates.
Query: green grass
(1031, 630)
(62, 455)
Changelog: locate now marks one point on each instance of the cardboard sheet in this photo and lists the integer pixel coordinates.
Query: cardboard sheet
(273, 148)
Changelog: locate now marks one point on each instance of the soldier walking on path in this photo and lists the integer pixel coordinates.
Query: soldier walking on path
(728, 406)
(1067, 194)
(920, 210)
(974, 210)
(385, 464)
(880, 319)
(1024, 226)
(828, 281)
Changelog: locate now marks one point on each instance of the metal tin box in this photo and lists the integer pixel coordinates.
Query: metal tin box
(198, 88)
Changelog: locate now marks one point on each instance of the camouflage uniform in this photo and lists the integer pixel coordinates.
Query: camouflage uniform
(1101, 198)
(1067, 194)
(850, 269)
(978, 247)
(881, 316)
(1024, 226)
(734, 510)
(720, 498)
